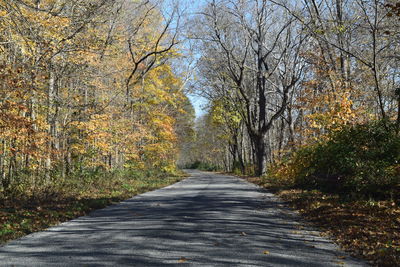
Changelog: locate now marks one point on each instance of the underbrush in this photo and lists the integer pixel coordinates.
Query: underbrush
(21, 214)
(361, 161)
(203, 166)
(368, 229)
(348, 185)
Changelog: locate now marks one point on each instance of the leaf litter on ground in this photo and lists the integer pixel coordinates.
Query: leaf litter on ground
(366, 229)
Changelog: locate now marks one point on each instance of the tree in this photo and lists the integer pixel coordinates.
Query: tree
(87, 85)
(259, 54)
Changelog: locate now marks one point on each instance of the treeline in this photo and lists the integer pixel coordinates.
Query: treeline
(87, 86)
(302, 91)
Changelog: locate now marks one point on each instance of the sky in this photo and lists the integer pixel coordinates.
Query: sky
(191, 7)
(198, 103)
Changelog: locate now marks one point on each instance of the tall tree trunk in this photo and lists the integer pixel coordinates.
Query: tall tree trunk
(260, 154)
(3, 163)
(50, 119)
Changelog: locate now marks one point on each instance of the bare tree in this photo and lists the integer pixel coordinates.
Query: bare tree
(257, 45)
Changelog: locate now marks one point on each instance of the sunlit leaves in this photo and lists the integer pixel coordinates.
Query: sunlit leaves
(64, 104)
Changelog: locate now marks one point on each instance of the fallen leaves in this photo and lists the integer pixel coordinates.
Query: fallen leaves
(367, 229)
(183, 260)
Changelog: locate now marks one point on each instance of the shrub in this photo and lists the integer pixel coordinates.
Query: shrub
(205, 166)
(362, 159)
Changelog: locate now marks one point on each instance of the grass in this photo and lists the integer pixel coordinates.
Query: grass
(20, 216)
(367, 229)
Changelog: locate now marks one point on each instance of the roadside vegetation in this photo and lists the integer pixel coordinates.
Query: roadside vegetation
(366, 228)
(359, 161)
(304, 96)
(23, 214)
(92, 109)
(347, 184)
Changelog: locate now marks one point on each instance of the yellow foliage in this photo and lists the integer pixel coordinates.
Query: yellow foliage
(329, 111)
(89, 119)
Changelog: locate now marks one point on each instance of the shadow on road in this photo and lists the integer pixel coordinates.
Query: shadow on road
(207, 220)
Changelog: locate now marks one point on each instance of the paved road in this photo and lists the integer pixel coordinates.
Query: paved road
(205, 220)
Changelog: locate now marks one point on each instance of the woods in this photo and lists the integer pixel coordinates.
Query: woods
(304, 101)
(87, 87)
(302, 96)
(286, 77)
(94, 86)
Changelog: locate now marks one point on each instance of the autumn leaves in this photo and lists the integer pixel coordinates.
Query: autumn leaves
(86, 85)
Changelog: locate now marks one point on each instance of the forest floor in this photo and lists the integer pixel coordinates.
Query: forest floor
(22, 216)
(367, 229)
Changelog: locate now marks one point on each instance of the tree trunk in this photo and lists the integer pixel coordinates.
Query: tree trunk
(50, 99)
(260, 155)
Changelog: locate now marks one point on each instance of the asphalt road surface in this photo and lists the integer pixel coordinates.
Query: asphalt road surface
(205, 220)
